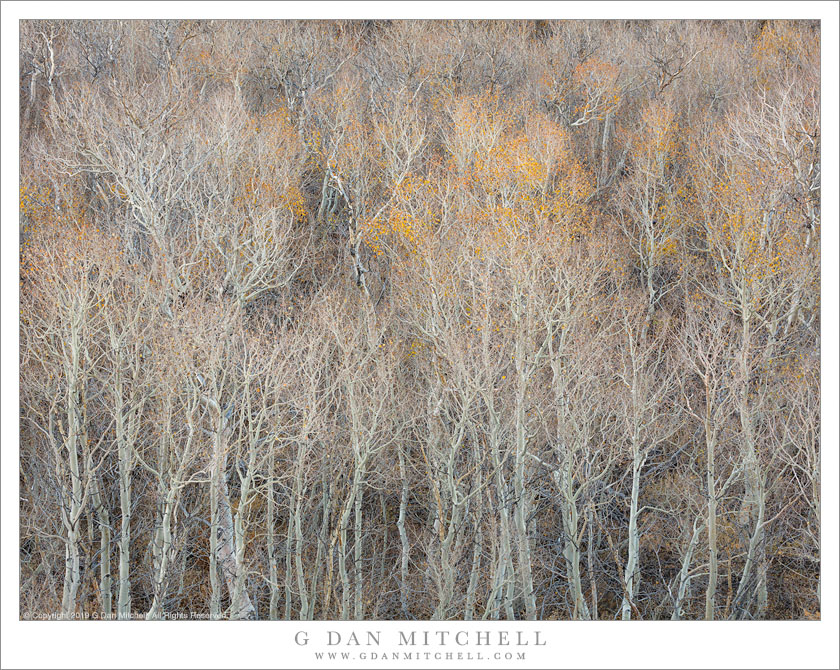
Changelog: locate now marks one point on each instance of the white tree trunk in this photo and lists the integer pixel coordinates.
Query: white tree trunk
(684, 578)
(104, 518)
(223, 532)
(404, 546)
(631, 570)
(711, 521)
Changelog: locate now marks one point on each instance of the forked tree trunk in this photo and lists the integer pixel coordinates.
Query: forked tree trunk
(711, 521)
(631, 570)
(104, 518)
(523, 505)
(684, 576)
(571, 547)
(753, 504)
(74, 507)
(271, 514)
(223, 533)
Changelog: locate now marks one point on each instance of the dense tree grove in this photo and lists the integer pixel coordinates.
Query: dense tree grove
(420, 319)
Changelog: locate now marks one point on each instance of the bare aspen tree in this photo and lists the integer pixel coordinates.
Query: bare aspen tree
(706, 356)
(304, 383)
(652, 224)
(364, 395)
(649, 384)
(65, 345)
(178, 451)
(223, 538)
(127, 324)
(173, 458)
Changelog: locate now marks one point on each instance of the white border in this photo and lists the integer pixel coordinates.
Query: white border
(438, 9)
(571, 644)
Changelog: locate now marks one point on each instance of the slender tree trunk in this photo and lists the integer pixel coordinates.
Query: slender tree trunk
(124, 594)
(222, 538)
(590, 552)
(797, 298)
(287, 609)
(571, 550)
(631, 570)
(72, 573)
(344, 522)
(446, 588)
(386, 523)
(469, 605)
(159, 546)
(358, 611)
(165, 556)
(271, 516)
(104, 519)
(75, 432)
(753, 498)
(239, 593)
(126, 431)
(215, 533)
(169, 487)
(226, 556)
(326, 498)
(501, 592)
(754, 555)
(522, 509)
(404, 546)
(295, 511)
(711, 522)
(684, 577)
(603, 172)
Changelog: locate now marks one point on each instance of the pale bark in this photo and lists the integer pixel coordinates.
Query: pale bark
(711, 519)
(753, 504)
(104, 518)
(684, 577)
(590, 551)
(523, 506)
(326, 507)
(127, 421)
(223, 532)
(125, 467)
(358, 539)
(271, 516)
(469, 603)
(287, 609)
(75, 438)
(165, 555)
(500, 594)
(173, 461)
(571, 541)
(344, 522)
(631, 569)
(295, 512)
(753, 563)
(405, 549)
